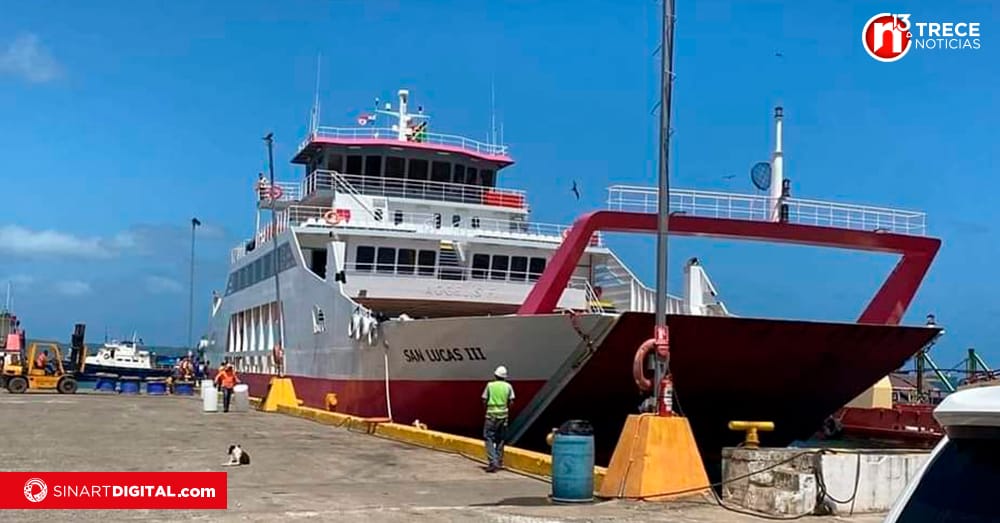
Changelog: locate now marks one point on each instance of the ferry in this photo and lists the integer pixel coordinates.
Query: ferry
(125, 358)
(398, 273)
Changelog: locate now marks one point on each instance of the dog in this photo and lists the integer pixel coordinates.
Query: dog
(237, 457)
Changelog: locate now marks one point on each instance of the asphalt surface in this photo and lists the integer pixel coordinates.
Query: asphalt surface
(300, 470)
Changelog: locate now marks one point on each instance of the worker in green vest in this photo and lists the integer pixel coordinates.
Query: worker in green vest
(497, 396)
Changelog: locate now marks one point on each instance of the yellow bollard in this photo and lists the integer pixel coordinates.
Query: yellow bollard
(751, 427)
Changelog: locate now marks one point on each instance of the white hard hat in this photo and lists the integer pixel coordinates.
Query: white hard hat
(501, 372)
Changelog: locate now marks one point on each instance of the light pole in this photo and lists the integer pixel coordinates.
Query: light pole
(194, 225)
(661, 358)
(279, 338)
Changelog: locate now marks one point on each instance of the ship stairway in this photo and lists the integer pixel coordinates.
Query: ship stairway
(622, 288)
(341, 185)
(449, 263)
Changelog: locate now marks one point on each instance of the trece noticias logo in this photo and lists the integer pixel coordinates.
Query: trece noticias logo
(888, 37)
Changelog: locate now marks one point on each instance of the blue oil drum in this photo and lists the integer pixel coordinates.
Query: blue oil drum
(106, 383)
(573, 463)
(129, 386)
(184, 388)
(156, 387)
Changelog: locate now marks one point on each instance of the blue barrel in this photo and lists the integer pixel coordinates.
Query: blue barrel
(184, 388)
(106, 383)
(129, 386)
(573, 463)
(156, 387)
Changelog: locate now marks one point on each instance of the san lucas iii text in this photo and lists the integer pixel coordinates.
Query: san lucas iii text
(439, 355)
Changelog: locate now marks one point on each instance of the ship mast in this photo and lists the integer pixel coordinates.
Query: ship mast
(661, 360)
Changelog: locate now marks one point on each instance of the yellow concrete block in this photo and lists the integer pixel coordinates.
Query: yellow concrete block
(878, 396)
(656, 458)
(280, 391)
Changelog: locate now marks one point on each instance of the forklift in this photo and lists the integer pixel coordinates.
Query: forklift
(18, 371)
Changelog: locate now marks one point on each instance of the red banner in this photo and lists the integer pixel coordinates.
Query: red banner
(113, 490)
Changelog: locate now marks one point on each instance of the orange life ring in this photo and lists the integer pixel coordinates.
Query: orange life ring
(641, 381)
(333, 217)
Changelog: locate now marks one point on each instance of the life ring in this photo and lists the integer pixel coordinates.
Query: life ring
(641, 381)
(356, 327)
(332, 217)
(276, 193)
(107, 356)
(372, 334)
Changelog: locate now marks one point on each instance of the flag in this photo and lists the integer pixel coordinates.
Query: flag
(419, 132)
(195, 222)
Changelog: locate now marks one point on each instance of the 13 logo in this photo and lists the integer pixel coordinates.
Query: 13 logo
(887, 37)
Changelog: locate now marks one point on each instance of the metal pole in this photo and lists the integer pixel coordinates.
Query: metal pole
(274, 248)
(663, 208)
(194, 224)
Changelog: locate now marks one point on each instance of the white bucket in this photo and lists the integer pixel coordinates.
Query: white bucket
(241, 399)
(209, 398)
(205, 385)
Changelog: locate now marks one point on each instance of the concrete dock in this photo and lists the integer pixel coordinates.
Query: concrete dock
(300, 470)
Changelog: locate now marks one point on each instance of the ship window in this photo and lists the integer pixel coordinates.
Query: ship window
(397, 217)
(480, 264)
(475, 222)
(418, 169)
(471, 176)
(536, 268)
(456, 220)
(378, 215)
(386, 259)
(441, 172)
(518, 268)
(353, 165)
(231, 284)
(242, 282)
(487, 176)
(335, 162)
(364, 258)
(405, 261)
(498, 270)
(317, 262)
(257, 265)
(286, 260)
(437, 220)
(426, 260)
(395, 167)
(459, 176)
(373, 166)
(268, 266)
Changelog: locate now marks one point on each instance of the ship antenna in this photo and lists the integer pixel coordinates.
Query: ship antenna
(314, 117)
(6, 306)
(493, 112)
(663, 208)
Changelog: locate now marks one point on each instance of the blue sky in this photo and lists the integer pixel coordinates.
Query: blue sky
(121, 123)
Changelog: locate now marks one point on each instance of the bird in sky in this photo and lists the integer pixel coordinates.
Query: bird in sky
(575, 190)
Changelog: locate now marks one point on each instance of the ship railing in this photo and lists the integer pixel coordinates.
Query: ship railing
(711, 204)
(433, 224)
(320, 180)
(384, 133)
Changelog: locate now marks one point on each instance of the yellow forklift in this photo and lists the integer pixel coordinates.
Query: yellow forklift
(19, 372)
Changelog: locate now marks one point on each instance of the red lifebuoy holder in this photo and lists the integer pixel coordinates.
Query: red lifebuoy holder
(332, 217)
(276, 193)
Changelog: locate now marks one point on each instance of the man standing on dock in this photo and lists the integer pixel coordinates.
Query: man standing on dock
(497, 396)
(226, 379)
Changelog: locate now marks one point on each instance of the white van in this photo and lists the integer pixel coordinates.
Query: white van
(962, 474)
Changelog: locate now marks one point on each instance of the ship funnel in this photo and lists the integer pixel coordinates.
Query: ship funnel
(777, 169)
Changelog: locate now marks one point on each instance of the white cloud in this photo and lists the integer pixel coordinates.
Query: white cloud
(21, 241)
(72, 287)
(163, 285)
(16, 281)
(26, 57)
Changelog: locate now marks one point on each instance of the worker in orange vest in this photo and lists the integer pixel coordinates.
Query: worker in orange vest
(226, 379)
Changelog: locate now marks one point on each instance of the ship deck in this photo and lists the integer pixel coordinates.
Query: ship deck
(300, 469)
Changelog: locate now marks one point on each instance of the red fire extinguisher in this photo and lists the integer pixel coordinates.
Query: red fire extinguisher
(666, 400)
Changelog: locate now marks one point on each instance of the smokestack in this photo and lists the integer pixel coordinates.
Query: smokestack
(777, 168)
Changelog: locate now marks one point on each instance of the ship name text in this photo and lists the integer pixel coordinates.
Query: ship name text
(444, 355)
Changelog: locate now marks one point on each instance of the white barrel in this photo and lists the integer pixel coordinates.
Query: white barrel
(209, 398)
(241, 398)
(205, 385)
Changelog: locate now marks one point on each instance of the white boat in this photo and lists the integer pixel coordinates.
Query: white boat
(124, 358)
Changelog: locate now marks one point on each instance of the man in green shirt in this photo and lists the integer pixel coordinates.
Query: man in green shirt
(497, 396)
